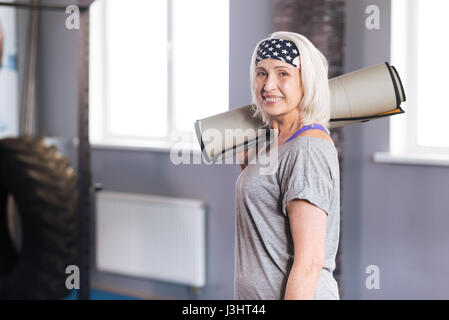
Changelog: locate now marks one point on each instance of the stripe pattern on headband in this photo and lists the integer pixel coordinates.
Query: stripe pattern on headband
(278, 49)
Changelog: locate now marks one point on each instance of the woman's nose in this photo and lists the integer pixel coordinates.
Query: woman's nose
(270, 83)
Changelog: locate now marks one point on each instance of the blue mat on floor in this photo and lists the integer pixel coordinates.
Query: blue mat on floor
(100, 295)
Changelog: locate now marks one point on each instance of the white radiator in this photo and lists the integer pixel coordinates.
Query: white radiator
(153, 237)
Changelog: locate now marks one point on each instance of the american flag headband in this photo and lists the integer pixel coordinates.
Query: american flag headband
(279, 49)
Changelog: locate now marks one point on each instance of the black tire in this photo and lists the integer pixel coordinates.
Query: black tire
(43, 186)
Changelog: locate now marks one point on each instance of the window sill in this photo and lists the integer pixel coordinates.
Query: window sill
(412, 159)
(146, 146)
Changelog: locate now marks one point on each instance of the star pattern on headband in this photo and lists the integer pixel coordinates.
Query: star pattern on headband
(285, 50)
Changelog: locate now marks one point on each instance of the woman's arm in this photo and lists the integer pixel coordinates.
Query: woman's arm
(308, 229)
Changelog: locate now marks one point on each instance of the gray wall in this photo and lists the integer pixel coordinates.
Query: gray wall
(394, 215)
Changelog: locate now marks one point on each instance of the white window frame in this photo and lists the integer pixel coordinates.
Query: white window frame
(404, 148)
(102, 138)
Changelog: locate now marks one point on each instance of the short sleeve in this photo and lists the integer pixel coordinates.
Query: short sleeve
(309, 175)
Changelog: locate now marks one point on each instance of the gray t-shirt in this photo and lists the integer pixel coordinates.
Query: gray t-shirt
(307, 169)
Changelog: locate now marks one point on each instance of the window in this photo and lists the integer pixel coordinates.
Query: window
(419, 51)
(155, 68)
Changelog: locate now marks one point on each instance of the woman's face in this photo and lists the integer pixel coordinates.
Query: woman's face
(278, 86)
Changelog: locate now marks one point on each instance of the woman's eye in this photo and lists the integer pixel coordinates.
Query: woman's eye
(261, 73)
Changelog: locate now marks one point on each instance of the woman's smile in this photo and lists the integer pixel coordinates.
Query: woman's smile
(271, 99)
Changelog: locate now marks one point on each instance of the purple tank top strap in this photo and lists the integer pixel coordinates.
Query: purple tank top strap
(305, 128)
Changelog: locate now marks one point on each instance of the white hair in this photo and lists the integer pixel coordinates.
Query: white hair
(315, 103)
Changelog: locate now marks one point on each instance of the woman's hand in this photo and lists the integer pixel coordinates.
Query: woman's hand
(245, 157)
(244, 163)
(242, 159)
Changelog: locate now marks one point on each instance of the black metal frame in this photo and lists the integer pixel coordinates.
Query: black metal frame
(85, 189)
(25, 5)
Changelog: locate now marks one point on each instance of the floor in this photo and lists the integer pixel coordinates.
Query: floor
(100, 295)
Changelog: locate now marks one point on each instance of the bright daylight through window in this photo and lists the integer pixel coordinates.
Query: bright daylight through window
(147, 88)
(419, 52)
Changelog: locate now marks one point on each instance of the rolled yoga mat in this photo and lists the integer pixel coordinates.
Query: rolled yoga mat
(359, 96)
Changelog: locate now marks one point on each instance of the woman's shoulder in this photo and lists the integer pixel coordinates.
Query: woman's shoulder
(313, 140)
(311, 147)
(310, 154)
(319, 134)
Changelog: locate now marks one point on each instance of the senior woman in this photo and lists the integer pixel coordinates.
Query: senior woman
(287, 223)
